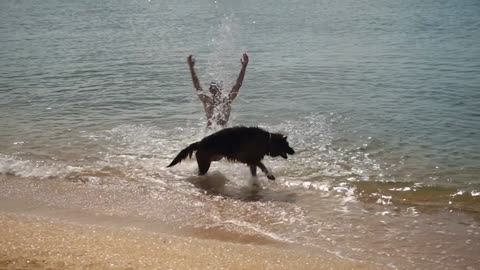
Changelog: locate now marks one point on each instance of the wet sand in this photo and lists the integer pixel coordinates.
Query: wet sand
(28, 242)
(60, 225)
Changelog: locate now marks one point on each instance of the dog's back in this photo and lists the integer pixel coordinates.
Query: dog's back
(244, 144)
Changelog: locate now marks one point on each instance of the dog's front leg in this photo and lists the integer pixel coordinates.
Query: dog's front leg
(266, 171)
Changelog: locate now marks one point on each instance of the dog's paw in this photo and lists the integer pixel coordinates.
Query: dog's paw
(255, 184)
(253, 181)
(270, 177)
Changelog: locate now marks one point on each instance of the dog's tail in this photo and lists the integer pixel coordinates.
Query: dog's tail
(184, 153)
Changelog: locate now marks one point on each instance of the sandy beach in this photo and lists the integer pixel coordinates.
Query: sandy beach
(28, 242)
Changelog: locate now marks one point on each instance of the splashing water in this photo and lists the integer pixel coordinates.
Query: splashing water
(223, 63)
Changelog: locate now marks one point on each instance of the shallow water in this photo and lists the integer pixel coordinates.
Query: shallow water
(318, 200)
(379, 99)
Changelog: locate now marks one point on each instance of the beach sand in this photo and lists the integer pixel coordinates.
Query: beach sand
(28, 242)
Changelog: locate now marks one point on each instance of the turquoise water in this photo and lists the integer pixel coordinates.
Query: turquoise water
(381, 99)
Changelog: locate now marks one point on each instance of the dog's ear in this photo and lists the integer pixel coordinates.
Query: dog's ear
(284, 137)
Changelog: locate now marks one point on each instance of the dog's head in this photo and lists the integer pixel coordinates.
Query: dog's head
(279, 146)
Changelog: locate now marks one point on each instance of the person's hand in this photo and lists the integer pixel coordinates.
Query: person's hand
(244, 59)
(191, 61)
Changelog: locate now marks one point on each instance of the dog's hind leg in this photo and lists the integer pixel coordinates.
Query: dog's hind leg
(253, 169)
(254, 180)
(265, 170)
(203, 162)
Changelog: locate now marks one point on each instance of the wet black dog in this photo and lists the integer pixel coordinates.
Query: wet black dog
(248, 145)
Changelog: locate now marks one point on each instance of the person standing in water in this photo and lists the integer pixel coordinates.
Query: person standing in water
(217, 106)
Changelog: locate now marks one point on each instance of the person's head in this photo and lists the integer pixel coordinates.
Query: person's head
(216, 88)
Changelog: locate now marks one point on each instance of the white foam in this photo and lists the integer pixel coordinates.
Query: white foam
(459, 193)
(384, 213)
(401, 189)
(257, 229)
(27, 168)
(384, 200)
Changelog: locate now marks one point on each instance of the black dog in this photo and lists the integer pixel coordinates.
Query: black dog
(248, 145)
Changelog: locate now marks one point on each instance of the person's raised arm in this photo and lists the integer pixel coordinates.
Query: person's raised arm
(233, 94)
(196, 82)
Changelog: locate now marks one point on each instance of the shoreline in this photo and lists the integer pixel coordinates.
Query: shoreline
(29, 242)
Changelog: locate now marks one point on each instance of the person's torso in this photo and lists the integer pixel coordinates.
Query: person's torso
(218, 111)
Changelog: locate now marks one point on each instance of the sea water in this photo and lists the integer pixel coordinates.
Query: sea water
(380, 99)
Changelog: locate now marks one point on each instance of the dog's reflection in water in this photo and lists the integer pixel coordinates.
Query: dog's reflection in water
(215, 183)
